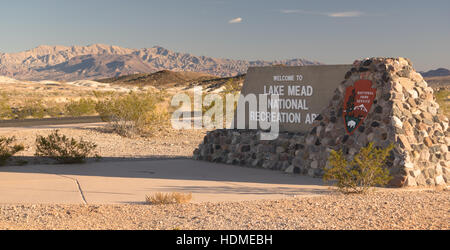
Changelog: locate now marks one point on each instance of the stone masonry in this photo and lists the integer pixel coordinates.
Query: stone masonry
(404, 113)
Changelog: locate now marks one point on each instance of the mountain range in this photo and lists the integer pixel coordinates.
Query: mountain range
(436, 72)
(70, 63)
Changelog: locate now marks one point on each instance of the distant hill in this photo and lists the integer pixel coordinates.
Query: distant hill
(167, 79)
(436, 72)
(163, 78)
(64, 63)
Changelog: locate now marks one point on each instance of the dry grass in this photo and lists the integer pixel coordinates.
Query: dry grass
(443, 99)
(168, 198)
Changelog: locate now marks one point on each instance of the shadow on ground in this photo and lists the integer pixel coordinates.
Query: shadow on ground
(161, 167)
(246, 190)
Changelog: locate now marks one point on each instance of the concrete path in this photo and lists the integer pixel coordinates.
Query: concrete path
(128, 181)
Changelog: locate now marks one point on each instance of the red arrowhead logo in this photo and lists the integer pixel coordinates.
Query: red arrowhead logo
(357, 103)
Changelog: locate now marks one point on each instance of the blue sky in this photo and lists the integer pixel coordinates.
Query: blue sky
(333, 32)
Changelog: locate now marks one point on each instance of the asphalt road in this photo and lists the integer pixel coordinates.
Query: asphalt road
(49, 121)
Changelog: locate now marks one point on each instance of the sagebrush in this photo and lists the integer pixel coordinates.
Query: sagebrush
(8, 148)
(64, 149)
(31, 109)
(363, 172)
(5, 109)
(83, 106)
(443, 99)
(134, 113)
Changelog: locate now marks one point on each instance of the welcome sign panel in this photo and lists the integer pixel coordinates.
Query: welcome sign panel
(303, 92)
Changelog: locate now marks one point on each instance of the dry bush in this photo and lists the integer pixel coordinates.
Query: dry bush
(31, 109)
(63, 149)
(134, 113)
(443, 99)
(7, 149)
(84, 106)
(232, 87)
(363, 172)
(35, 108)
(54, 109)
(168, 198)
(5, 108)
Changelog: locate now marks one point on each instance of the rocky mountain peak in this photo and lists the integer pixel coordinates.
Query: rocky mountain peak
(95, 61)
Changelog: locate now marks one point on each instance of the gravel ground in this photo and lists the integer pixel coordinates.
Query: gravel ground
(176, 143)
(393, 209)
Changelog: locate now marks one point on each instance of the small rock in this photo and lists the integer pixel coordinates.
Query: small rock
(396, 122)
(290, 169)
(439, 180)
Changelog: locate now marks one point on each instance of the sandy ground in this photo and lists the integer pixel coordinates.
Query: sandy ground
(381, 210)
(177, 143)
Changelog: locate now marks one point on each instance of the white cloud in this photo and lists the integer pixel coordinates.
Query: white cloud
(346, 14)
(235, 20)
(290, 11)
(329, 14)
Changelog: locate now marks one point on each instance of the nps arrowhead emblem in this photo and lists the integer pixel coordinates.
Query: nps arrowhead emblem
(357, 103)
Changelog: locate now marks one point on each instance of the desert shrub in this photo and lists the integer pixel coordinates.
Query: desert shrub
(63, 149)
(134, 113)
(84, 106)
(54, 110)
(31, 109)
(443, 99)
(363, 172)
(103, 94)
(231, 87)
(5, 108)
(36, 109)
(168, 198)
(8, 149)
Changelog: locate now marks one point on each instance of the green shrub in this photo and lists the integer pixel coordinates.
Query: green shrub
(363, 172)
(32, 109)
(5, 108)
(134, 113)
(54, 111)
(231, 87)
(103, 94)
(36, 109)
(63, 149)
(443, 99)
(84, 106)
(7, 149)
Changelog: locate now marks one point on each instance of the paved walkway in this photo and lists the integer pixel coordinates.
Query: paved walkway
(128, 181)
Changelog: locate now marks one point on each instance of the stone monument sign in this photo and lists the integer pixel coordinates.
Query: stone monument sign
(383, 101)
(303, 92)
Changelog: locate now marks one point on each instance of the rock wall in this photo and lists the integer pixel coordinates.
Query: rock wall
(404, 113)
